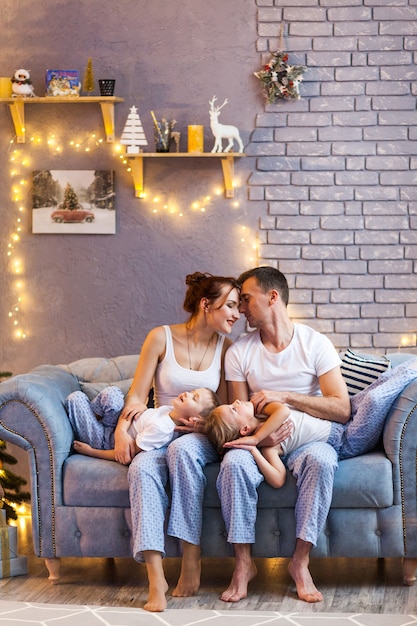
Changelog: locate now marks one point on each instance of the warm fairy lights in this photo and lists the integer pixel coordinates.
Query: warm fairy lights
(21, 164)
(408, 341)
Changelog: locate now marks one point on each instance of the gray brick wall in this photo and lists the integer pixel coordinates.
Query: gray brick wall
(336, 170)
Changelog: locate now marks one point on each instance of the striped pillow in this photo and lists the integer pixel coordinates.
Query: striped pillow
(360, 371)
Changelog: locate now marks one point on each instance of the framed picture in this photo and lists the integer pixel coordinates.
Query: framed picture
(73, 202)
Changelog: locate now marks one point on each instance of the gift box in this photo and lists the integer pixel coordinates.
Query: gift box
(11, 564)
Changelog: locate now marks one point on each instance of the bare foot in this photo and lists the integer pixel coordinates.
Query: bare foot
(157, 601)
(242, 575)
(306, 589)
(189, 581)
(158, 585)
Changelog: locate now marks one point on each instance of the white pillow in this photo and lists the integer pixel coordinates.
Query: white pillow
(360, 371)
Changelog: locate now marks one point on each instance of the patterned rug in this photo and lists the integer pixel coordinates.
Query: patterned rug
(14, 613)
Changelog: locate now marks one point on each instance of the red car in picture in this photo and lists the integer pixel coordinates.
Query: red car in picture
(65, 216)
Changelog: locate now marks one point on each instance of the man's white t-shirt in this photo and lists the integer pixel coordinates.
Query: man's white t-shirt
(310, 354)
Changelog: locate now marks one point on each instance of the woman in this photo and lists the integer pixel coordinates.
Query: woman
(174, 358)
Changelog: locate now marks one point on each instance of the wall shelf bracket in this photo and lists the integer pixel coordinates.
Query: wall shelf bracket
(17, 111)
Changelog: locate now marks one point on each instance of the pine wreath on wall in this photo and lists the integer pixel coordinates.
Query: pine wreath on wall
(280, 81)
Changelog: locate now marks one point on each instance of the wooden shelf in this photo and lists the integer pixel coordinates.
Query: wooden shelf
(17, 110)
(226, 158)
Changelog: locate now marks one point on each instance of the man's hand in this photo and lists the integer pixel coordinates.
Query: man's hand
(265, 396)
(279, 435)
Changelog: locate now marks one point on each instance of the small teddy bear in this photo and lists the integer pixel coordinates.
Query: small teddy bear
(22, 84)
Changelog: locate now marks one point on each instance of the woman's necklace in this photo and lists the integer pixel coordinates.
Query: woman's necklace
(202, 358)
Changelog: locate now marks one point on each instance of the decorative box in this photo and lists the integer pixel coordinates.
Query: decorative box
(63, 83)
(11, 564)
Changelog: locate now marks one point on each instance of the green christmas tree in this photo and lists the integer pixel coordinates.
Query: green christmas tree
(70, 199)
(11, 484)
(88, 81)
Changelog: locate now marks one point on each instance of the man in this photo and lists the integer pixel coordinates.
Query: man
(296, 365)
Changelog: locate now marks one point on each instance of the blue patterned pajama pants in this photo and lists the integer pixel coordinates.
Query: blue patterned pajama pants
(148, 478)
(185, 458)
(313, 467)
(370, 408)
(94, 422)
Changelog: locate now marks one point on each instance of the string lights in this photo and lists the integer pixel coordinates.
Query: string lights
(20, 164)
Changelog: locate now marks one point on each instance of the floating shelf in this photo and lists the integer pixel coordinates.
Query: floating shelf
(226, 158)
(17, 110)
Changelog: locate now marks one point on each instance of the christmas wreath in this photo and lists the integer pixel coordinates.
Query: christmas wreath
(280, 81)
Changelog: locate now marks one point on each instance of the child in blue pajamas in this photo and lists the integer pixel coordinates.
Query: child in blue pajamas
(94, 422)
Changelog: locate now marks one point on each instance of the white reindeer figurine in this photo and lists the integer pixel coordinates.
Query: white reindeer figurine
(222, 131)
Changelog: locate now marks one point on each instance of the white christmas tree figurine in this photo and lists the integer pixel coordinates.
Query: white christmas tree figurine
(133, 136)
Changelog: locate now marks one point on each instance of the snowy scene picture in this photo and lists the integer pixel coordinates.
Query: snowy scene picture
(73, 202)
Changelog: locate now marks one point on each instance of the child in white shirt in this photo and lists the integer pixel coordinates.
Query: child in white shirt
(94, 422)
(236, 426)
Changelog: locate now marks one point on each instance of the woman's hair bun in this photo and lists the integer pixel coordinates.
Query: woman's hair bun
(193, 279)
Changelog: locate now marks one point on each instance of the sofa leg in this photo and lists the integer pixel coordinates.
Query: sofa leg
(409, 571)
(53, 566)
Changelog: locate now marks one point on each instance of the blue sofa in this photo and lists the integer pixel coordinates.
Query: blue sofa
(373, 512)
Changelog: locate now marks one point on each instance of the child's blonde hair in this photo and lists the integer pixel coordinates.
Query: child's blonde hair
(219, 431)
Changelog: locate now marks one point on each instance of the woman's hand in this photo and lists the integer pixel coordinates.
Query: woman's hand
(124, 447)
(132, 410)
(191, 425)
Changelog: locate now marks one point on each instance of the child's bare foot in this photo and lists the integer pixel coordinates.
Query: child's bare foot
(83, 448)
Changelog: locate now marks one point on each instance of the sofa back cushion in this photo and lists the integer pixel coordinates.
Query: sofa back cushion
(99, 369)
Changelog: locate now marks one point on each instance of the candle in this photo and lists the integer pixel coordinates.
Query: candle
(196, 138)
(5, 87)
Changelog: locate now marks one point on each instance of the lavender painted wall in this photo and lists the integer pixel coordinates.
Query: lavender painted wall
(98, 295)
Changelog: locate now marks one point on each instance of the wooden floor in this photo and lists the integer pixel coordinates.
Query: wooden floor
(348, 585)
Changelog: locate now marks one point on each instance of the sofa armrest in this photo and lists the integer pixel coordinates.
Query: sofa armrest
(33, 417)
(400, 443)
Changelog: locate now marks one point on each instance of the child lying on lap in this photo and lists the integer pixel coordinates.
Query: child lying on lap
(236, 426)
(94, 422)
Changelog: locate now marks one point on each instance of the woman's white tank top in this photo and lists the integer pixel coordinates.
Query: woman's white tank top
(171, 379)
